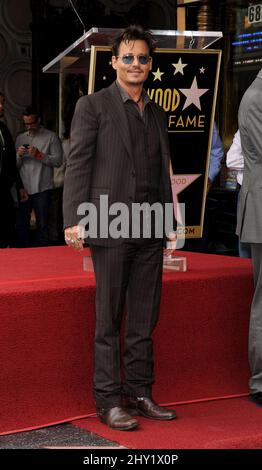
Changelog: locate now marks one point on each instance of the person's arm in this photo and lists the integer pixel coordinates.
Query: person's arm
(83, 138)
(216, 155)
(21, 191)
(53, 158)
(254, 124)
(21, 150)
(235, 159)
(8, 158)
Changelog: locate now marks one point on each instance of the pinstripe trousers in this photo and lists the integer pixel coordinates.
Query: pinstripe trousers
(131, 274)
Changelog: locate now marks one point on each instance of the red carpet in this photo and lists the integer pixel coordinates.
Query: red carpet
(47, 330)
(222, 424)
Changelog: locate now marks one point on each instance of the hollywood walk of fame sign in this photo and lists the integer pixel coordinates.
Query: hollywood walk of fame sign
(184, 83)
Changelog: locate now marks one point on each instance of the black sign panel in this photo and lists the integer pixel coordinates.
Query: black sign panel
(184, 84)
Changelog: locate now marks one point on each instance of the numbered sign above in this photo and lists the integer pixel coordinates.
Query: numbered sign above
(255, 14)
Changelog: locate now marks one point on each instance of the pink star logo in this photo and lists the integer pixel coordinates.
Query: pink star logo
(193, 94)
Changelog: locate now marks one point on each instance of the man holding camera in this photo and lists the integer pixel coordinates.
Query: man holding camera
(39, 150)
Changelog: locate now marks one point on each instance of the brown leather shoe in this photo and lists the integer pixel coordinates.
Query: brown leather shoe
(147, 407)
(117, 418)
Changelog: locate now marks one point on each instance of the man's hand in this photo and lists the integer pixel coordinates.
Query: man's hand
(23, 195)
(22, 151)
(74, 237)
(34, 152)
(171, 244)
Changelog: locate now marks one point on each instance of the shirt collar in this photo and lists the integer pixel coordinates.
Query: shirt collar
(40, 129)
(125, 96)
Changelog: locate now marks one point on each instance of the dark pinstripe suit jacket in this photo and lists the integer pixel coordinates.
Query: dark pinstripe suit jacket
(100, 159)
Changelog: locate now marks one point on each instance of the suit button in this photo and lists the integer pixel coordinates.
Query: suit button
(133, 174)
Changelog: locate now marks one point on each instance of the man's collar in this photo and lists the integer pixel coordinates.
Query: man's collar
(125, 96)
(39, 130)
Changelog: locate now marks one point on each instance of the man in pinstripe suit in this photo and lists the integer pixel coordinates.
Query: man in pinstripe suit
(119, 148)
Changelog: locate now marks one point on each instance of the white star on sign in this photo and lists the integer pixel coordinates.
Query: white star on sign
(157, 75)
(193, 94)
(179, 66)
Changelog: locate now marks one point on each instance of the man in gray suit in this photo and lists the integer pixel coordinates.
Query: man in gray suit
(119, 150)
(249, 220)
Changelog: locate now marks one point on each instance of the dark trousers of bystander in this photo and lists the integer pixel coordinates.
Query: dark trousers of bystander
(40, 203)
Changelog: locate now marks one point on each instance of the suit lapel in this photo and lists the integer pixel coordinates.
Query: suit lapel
(162, 133)
(115, 108)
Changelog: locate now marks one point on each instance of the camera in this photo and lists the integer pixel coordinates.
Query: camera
(26, 146)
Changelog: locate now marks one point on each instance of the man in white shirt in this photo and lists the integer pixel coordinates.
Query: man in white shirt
(38, 152)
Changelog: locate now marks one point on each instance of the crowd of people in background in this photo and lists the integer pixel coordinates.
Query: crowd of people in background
(32, 170)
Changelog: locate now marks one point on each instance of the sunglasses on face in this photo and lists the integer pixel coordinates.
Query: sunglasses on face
(128, 59)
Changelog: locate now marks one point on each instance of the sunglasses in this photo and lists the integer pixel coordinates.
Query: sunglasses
(128, 59)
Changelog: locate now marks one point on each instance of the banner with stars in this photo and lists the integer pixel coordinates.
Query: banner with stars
(184, 83)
